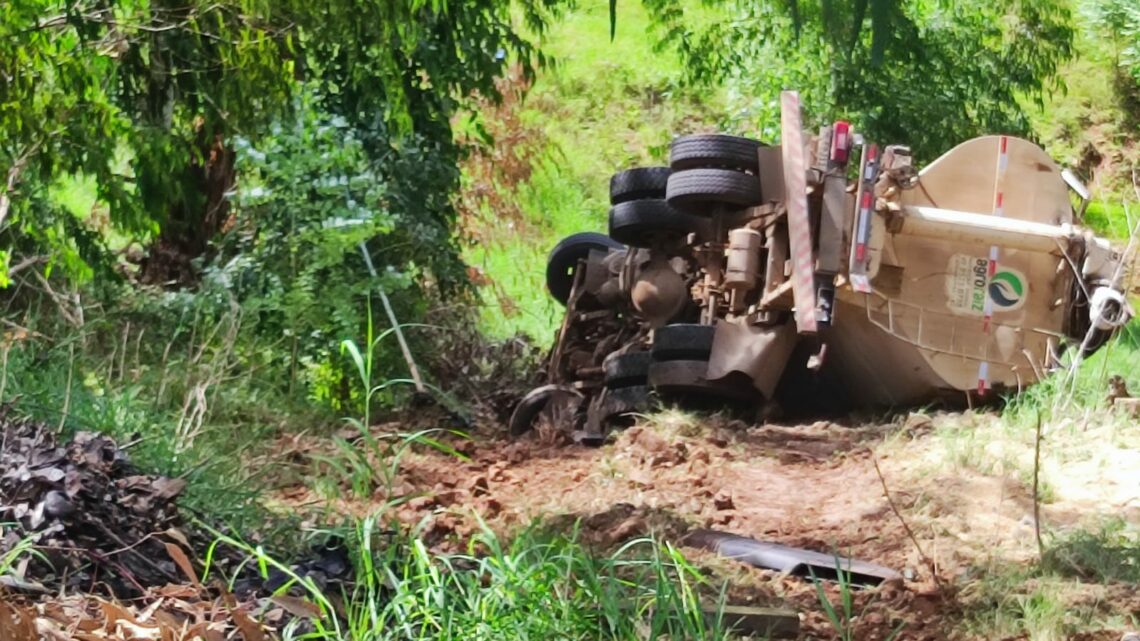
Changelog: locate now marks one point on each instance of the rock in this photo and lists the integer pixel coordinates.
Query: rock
(720, 438)
(445, 494)
(696, 480)
(890, 589)
(641, 479)
(699, 470)
(680, 452)
(630, 528)
(517, 452)
(490, 507)
(722, 500)
(464, 446)
(651, 443)
(478, 486)
(722, 518)
(874, 619)
(56, 505)
(442, 526)
(421, 503)
(699, 454)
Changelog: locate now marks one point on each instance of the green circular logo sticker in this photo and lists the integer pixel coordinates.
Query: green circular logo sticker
(1006, 289)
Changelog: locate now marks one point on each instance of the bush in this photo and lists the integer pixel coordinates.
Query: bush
(311, 195)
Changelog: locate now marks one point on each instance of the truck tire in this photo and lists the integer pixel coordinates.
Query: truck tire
(639, 183)
(698, 190)
(686, 381)
(627, 370)
(565, 256)
(683, 341)
(716, 150)
(534, 403)
(636, 223)
(624, 401)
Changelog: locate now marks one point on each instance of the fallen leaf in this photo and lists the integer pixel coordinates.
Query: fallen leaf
(113, 613)
(250, 631)
(16, 624)
(149, 611)
(183, 562)
(297, 607)
(178, 537)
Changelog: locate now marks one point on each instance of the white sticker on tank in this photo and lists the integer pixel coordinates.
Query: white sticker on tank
(968, 281)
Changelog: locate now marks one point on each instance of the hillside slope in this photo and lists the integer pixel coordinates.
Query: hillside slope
(605, 106)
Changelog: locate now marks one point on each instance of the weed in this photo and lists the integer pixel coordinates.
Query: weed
(536, 586)
(359, 463)
(1019, 601)
(1110, 553)
(842, 615)
(11, 557)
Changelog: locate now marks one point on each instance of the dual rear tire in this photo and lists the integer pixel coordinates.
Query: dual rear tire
(714, 173)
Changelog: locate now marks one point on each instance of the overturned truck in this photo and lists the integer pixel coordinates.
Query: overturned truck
(822, 274)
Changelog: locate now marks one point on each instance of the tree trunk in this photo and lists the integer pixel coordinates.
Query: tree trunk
(192, 223)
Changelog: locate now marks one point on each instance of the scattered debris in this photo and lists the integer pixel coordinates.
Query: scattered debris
(96, 523)
(790, 560)
(107, 557)
(764, 623)
(723, 500)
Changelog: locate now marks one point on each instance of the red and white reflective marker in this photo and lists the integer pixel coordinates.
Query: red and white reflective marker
(840, 142)
(999, 211)
(860, 261)
(795, 198)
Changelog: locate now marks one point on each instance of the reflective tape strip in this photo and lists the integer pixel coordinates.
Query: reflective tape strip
(866, 204)
(999, 211)
(995, 254)
(864, 227)
(795, 198)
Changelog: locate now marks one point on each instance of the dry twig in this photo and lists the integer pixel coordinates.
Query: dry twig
(909, 532)
(1037, 487)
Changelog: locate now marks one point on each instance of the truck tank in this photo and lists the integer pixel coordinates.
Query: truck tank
(825, 272)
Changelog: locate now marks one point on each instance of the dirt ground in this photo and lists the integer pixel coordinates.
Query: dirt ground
(814, 486)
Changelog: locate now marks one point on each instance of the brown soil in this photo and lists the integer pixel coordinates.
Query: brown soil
(813, 486)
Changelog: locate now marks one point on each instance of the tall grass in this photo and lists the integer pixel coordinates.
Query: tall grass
(1081, 387)
(604, 106)
(536, 586)
(183, 399)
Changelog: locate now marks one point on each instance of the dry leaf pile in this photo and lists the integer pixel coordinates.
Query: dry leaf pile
(97, 525)
(107, 560)
(170, 613)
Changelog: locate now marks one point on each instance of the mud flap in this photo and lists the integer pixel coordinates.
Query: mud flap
(759, 352)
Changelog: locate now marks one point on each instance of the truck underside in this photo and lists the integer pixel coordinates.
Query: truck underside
(821, 274)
